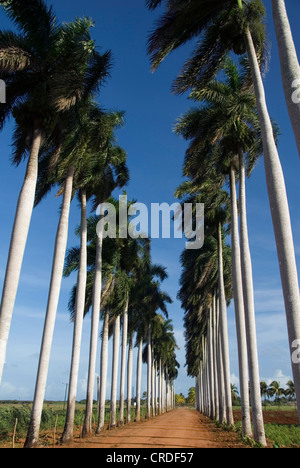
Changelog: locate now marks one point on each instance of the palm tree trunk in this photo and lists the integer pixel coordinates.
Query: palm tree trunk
(211, 365)
(115, 365)
(201, 387)
(246, 265)
(290, 70)
(123, 364)
(280, 217)
(224, 332)
(96, 304)
(215, 358)
(149, 368)
(139, 381)
(163, 396)
(77, 334)
(54, 292)
(160, 388)
(18, 244)
(153, 388)
(239, 308)
(103, 373)
(129, 379)
(197, 402)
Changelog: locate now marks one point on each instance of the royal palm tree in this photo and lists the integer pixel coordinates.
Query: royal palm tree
(276, 390)
(164, 350)
(89, 181)
(72, 159)
(264, 389)
(199, 280)
(234, 392)
(154, 299)
(115, 177)
(217, 214)
(235, 101)
(44, 66)
(290, 391)
(223, 26)
(72, 264)
(290, 70)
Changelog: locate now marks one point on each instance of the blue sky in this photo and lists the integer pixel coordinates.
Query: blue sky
(155, 158)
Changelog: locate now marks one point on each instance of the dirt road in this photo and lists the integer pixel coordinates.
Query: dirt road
(182, 428)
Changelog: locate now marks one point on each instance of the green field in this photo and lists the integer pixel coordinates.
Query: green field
(281, 425)
(53, 415)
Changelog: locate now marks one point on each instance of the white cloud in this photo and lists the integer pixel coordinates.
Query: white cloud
(280, 377)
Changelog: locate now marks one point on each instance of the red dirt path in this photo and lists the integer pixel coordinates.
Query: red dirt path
(182, 428)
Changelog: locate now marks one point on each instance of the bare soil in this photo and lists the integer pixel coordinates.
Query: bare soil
(280, 417)
(182, 428)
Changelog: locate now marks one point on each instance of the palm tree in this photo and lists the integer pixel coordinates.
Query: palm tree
(164, 346)
(199, 280)
(275, 389)
(37, 95)
(290, 391)
(112, 180)
(233, 103)
(216, 215)
(223, 26)
(109, 263)
(89, 180)
(234, 392)
(290, 70)
(72, 164)
(103, 370)
(154, 299)
(114, 177)
(264, 389)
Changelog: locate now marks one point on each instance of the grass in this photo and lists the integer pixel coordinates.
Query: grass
(280, 433)
(283, 436)
(53, 413)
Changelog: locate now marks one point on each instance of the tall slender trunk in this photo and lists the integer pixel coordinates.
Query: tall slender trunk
(18, 243)
(215, 352)
(204, 375)
(149, 369)
(78, 323)
(54, 292)
(123, 364)
(153, 388)
(239, 308)
(129, 378)
(280, 217)
(197, 405)
(96, 304)
(246, 265)
(164, 408)
(290, 70)
(211, 365)
(103, 373)
(167, 389)
(139, 380)
(225, 364)
(115, 365)
(160, 387)
(220, 372)
(200, 391)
